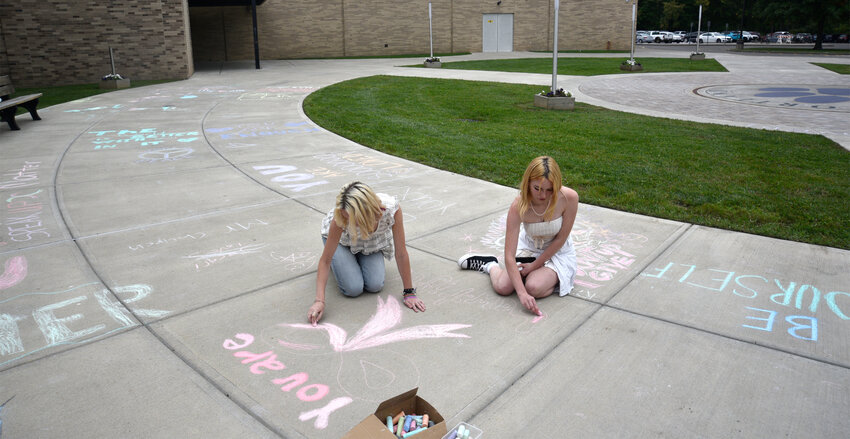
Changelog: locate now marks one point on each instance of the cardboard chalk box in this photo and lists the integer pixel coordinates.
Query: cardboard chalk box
(375, 425)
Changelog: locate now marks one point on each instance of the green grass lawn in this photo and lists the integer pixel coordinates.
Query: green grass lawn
(779, 184)
(66, 93)
(843, 69)
(587, 66)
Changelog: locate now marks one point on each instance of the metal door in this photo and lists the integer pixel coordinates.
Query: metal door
(498, 33)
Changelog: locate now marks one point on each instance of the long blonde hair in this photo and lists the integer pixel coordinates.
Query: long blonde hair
(541, 167)
(363, 208)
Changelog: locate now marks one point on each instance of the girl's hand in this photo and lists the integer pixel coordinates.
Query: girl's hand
(529, 303)
(415, 303)
(525, 268)
(315, 313)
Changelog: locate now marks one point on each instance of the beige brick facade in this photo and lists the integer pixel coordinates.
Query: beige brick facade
(52, 42)
(327, 28)
(67, 42)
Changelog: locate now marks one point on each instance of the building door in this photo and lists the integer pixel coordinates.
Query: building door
(498, 33)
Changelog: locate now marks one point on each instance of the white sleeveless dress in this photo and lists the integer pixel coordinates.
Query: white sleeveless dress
(534, 238)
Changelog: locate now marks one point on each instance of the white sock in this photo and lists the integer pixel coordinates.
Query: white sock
(488, 266)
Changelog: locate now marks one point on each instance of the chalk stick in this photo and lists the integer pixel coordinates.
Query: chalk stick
(420, 430)
(390, 423)
(407, 420)
(452, 435)
(425, 419)
(460, 430)
(400, 427)
(398, 416)
(466, 434)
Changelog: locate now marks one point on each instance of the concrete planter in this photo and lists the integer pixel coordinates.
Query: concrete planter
(433, 65)
(631, 67)
(697, 56)
(115, 83)
(554, 102)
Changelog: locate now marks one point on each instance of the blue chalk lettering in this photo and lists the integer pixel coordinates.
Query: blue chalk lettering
(786, 293)
(769, 320)
(661, 271)
(725, 281)
(830, 300)
(738, 281)
(813, 326)
(688, 273)
(815, 298)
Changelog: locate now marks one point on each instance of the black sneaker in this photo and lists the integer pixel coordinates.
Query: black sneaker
(472, 261)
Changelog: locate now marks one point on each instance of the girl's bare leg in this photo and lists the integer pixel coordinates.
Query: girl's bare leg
(501, 281)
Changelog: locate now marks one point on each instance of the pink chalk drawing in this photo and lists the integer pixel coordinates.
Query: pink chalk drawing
(15, 272)
(374, 332)
(365, 367)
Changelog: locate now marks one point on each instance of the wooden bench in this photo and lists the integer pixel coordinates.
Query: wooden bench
(8, 107)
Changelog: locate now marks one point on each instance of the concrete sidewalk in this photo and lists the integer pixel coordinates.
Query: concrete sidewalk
(160, 244)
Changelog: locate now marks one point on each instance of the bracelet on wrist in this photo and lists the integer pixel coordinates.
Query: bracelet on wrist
(319, 300)
(407, 292)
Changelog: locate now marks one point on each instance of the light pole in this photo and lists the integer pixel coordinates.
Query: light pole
(430, 30)
(699, 25)
(634, 23)
(555, 50)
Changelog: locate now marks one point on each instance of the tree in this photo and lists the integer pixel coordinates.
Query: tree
(805, 15)
(766, 16)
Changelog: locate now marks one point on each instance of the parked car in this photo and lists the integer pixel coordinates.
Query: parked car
(779, 37)
(713, 37)
(642, 36)
(680, 34)
(841, 38)
(658, 36)
(756, 35)
(691, 37)
(803, 38)
(746, 36)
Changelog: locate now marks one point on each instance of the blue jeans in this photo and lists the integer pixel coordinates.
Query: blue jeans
(356, 273)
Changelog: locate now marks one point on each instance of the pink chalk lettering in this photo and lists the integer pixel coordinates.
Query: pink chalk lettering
(309, 393)
(269, 361)
(322, 414)
(320, 390)
(291, 381)
(231, 345)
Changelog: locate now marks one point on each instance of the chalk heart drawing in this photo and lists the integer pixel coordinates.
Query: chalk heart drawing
(372, 369)
(15, 272)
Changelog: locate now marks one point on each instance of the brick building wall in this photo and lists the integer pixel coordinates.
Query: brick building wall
(4, 60)
(51, 42)
(326, 28)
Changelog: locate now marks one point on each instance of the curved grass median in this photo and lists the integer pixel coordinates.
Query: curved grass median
(587, 66)
(785, 185)
(841, 69)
